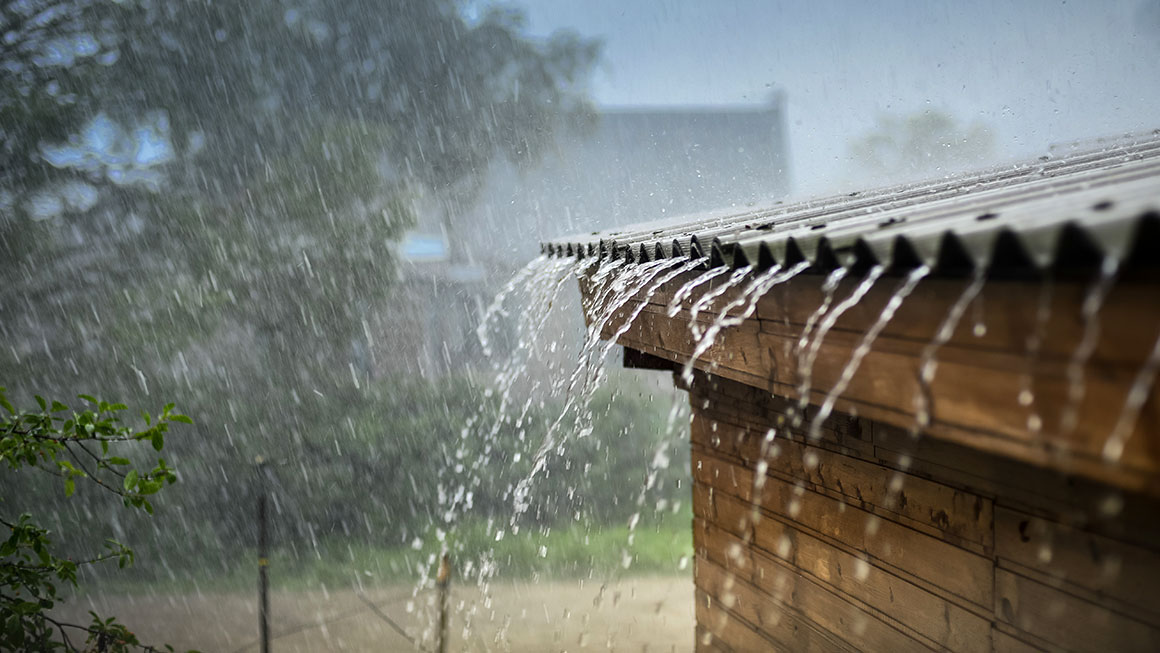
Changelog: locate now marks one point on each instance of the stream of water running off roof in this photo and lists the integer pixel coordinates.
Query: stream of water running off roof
(757, 288)
(625, 284)
(806, 372)
(540, 282)
(900, 294)
(928, 363)
(622, 291)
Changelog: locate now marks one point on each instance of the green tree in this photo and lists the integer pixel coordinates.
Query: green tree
(72, 446)
(241, 272)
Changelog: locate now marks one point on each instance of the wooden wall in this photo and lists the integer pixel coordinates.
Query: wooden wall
(977, 395)
(869, 540)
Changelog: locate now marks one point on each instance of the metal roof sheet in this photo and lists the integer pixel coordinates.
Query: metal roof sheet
(1066, 212)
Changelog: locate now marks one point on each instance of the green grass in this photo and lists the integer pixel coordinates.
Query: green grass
(658, 546)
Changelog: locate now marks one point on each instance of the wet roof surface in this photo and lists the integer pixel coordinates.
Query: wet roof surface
(1071, 211)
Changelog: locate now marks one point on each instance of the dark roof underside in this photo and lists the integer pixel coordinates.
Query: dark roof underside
(1053, 214)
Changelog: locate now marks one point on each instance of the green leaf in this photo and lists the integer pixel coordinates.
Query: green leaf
(57, 406)
(89, 398)
(130, 480)
(70, 486)
(184, 419)
(6, 404)
(40, 400)
(118, 407)
(158, 440)
(117, 460)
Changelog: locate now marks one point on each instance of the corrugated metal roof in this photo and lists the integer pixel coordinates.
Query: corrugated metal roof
(1065, 212)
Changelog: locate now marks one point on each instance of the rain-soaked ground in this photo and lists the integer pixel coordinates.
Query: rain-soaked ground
(638, 614)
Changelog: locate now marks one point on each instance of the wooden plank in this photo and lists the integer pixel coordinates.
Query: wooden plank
(724, 399)
(1005, 643)
(1066, 620)
(1035, 451)
(942, 510)
(727, 551)
(979, 392)
(1045, 492)
(976, 389)
(1007, 308)
(706, 642)
(780, 622)
(703, 502)
(731, 632)
(898, 602)
(781, 590)
(1137, 471)
(1111, 571)
(937, 565)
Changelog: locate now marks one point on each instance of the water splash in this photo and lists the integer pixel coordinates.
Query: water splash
(748, 299)
(620, 290)
(900, 294)
(828, 323)
(1034, 348)
(656, 285)
(687, 289)
(706, 300)
(928, 363)
(624, 287)
(541, 281)
(459, 480)
(496, 306)
(829, 286)
(1090, 312)
(1134, 402)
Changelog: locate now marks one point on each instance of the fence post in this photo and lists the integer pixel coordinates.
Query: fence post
(443, 583)
(263, 561)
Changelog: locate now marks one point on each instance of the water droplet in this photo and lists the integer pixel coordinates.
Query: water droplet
(810, 460)
(1112, 505)
(784, 546)
(1034, 423)
(794, 507)
(861, 570)
(896, 482)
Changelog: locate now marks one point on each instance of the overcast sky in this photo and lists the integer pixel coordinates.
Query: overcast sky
(1037, 72)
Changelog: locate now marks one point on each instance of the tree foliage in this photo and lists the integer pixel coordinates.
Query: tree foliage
(238, 266)
(73, 446)
(298, 136)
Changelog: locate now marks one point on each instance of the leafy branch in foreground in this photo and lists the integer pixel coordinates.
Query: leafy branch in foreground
(71, 445)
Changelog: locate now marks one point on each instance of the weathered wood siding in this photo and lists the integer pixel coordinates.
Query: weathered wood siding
(870, 540)
(983, 372)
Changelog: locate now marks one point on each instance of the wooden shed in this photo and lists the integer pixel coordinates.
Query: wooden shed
(936, 424)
